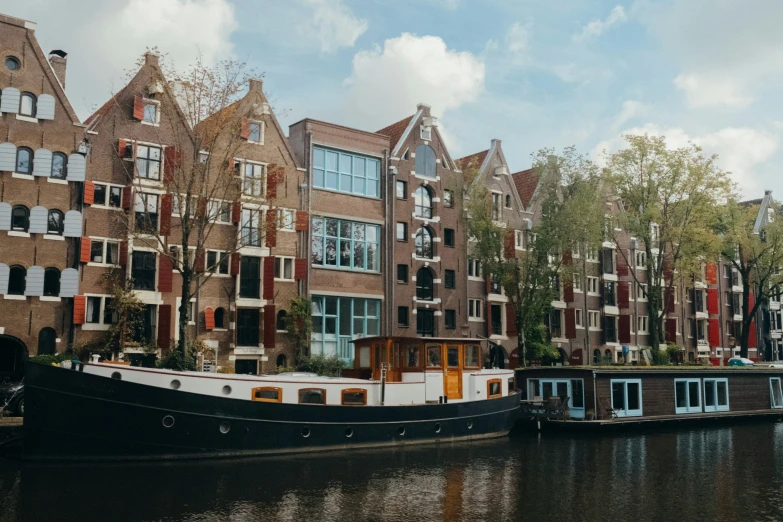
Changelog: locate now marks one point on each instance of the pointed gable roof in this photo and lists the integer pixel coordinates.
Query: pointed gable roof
(526, 183)
(474, 161)
(395, 130)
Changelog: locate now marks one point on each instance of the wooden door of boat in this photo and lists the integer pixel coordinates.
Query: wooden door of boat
(452, 371)
(395, 370)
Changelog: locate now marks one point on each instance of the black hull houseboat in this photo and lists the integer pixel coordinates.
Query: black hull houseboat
(623, 396)
(400, 391)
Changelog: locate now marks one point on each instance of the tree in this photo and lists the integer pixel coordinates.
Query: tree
(299, 324)
(753, 244)
(127, 325)
(670, 203)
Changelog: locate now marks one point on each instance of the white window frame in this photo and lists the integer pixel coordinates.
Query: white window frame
(519, 239)
(594, 320)
(425, 133)
(100, 325)
(106, 205)
(642, 324)
(280, 270)
(261, 131)
(476, 269)
(288, 225)
(475, 310)
(688, 408)
(641, 259)
(105, 242)
(591, 255)
(156, 103)
(592, 286)
(213, 210)
(220, 255)
(578, 318)
(641, 292)
(716, 406)
(576, 283)
(622, 410)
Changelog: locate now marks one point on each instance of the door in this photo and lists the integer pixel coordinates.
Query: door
(246, 366)
(452, 372)
(395, 372)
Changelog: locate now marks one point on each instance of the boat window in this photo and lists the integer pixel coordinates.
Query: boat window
(627, 397)
(364, 357)
(354, 397)
(412, 356)
(776, 395)
(494, 388)
(578, 392)
(511, 385)
(433, 355)
(453, 356)
(532, 388)
(471, 356)
(312, 396)
(268, 394)
(716, 395)
(546, 388)
(687, 395)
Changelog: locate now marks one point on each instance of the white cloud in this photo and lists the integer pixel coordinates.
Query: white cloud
(596, 28)
(711, 91)
(333, 25)
(631, 109)
(386, 83)
(518, 38)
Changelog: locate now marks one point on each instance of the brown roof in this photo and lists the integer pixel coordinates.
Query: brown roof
(473, 161)
(395, 130)
(526, 182)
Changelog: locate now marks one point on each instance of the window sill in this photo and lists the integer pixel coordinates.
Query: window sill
(102, 265)
(256, 142)
(403, 326)
(340, 269)
(150, 123)
(26, 118)
(50, 298)
(475, 320)
(283, 280)
(95, 327)
(335, 191)
(104, 207)
(16, 233)
(19, 175)
(52, 237)
(14, 297)
(220, 329)
(57, 181)
(220, 276)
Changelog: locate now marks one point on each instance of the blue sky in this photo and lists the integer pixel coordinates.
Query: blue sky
(532, 73)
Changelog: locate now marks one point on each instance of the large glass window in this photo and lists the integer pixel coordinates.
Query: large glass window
(250, 277)
(54, 224)
(687, 395)
(346, 172)
(51, 282)
(425, 161)
(627, 397)
(24, 160)
(251, 226)
(716, 395)
(337, 320)
(247, 327)
(422, 199)
(146, 209)
(27, 104)
(346, 244)
(143, 270)
(424, 243)
(148, 162)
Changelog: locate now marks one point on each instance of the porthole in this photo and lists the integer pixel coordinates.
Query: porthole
(349, 432)
(437, 427)
(226, 390)
(175, 384)
(401, 431)
(12, 63)
(470, 424)
(225, 427)
(305, 432)
(116, 375)
(168, 421)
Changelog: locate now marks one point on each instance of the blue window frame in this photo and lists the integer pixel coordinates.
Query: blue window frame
(346, 244)
(343, 172)
(626, 395)
(716, 394)
(687, 395)
(337, 320)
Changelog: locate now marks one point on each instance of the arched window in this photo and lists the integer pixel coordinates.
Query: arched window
(596, 356)
(425, 161)
(281, 361)
(422, 199)
(24, 160)
(424, 283)
(54, 224)
(20, 218)
(27, 104)
(51, 282)
(608, 353)
(220, 317)
(17, 280)
(508, 201)
(47, 339)
(281, 320)
(59, 165)
(424, 243)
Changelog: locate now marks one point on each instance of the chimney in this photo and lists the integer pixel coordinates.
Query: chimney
(151, 59)
(58, 60)
(424, 108)
(256, 85)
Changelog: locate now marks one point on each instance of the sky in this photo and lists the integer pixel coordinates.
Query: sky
(532, 73)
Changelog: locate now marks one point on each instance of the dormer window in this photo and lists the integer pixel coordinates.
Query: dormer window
(426, 133)
(256, 132)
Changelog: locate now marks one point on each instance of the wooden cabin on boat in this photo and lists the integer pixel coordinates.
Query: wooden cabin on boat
(657, 391)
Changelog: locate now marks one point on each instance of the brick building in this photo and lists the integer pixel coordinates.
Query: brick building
(42, 169)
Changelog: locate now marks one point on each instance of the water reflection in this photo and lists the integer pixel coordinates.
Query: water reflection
(711, 474)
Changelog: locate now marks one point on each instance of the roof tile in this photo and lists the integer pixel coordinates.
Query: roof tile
(526, 182)
(395, 130)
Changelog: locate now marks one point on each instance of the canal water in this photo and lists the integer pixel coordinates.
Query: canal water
(716, 473)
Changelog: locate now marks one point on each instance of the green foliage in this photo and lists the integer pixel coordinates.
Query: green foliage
(299, 324)
(661, 357)
(127, 328)
(176, 360)
(54, 359)
(327, 366)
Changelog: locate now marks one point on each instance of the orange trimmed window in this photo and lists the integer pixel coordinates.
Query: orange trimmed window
(354, 397)
(312, 396)
(268, 394)
(494, 388)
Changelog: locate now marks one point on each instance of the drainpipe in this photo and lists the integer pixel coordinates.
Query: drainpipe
(595, 397)
(308, 234)
(635, 301)
(388, 213)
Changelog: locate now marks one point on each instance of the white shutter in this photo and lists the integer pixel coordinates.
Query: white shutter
(73, 224)
(10, 100)
(45, 107)
(42, 163)
(69, 282)
(5, 272)
(5, 216)
(38, 220)
(35, 281)
(76, 167)
(7, 157)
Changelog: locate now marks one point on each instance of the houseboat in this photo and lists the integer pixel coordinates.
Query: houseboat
(621, 396)
(400, 391)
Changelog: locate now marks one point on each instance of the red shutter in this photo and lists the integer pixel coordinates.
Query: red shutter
(667, 269)
(138, 108)
(712, 301)
(84, 255)
(201, 262)
(623, 295)
(671, 331)
(271, 227)
(302, 221)
(236, 212)
(568, 292)
(269, 278)
(122, 148)
(171, 160)
(124, 253)
(624, 329)
(570, 321)
(79, 309)
(165, 214)
(269, 326)
(714, 328)
(89, 193)
(244, 132)
(622, 265)
(751, 302)
(201, 211)
(164, 326)
(752, 335)
(165, 273)
(127, 197)
(508, 244)
(209, 318)
(511, 320)
(300, 269)
(273, 177)
(235, 264)
(711, 272)
(669, 294)
(568, 259)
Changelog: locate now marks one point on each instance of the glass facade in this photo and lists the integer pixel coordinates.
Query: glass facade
(346, 244)
(348, 173)
(337, 320)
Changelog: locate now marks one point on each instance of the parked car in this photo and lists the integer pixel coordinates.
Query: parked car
(12, 397)
(740, 361)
